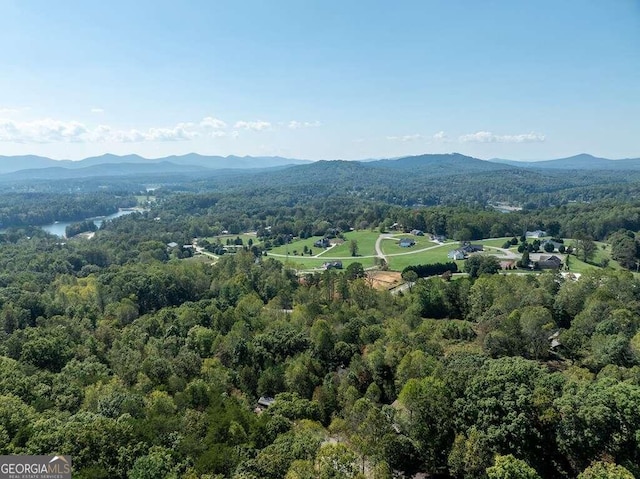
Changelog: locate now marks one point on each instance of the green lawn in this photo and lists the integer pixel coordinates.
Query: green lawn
(436, 255)
(307, 263)
(142, 199)
(297, 246)
(200, 258)
(496, 242)
(397, 262)
(603, 252)
(392, 245)
(366, 245)
(223, 238)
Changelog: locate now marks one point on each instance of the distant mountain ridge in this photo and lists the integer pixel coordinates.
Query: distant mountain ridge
(583, 161)
(103, 170)
(14, 168)
(10, 164)
(439, 164)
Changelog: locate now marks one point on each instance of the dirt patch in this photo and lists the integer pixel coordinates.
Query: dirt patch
(384, 279)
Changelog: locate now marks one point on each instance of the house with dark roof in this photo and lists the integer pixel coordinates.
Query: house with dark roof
(263, 403)
(322, 243)
(417, 232)
(332, 265)
(549, 262)
(406, 242)
(472, 248)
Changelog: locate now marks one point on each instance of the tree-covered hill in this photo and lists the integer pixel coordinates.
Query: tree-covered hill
(138, 364)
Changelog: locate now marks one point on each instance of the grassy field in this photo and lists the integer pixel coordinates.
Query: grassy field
(397, 262)
(436, 255)
(492, 250)
(223, 238)
(200, 258)
(603, 252)
(297, 246)
(142, 199)
(392, 245)
(303, 263)
(495, 242)
(366, 245)
(366, 251)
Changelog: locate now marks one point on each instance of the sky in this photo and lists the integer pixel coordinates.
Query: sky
(326, 79)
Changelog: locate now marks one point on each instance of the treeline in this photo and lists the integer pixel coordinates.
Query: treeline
(278, 217)
(30, 209)
(425, 270)
(211, 213)
(80, 227)
(596, 220)
(423, 185)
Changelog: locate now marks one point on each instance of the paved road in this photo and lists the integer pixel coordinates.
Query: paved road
(201, 250)
(379, 251)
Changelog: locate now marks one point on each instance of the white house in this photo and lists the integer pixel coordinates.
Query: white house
(455, 254)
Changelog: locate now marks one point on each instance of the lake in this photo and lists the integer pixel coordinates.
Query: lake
(58, 228)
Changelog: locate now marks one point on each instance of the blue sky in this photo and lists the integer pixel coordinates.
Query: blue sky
(320, 79)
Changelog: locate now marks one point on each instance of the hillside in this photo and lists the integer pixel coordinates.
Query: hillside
(102, 170)
(582, 161)
(440, 165)
(9, 164)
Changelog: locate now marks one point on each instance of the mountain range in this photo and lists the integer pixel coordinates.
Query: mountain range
(582, 161)
(14, 168)
(9, 164)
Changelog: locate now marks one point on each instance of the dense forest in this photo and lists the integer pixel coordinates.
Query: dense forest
(142, 362)
(156, 366)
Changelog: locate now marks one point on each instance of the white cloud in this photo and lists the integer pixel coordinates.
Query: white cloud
(9, 111)
(50, 130)
(213, 123)
(180, 132)
(441, 136)
(405, 137)
(42, 131)
(488, 137)
(257, 125)
(294, 124)
(97, 110)
(59, 131)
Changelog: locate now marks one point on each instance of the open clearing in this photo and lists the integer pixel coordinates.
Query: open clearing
(383, 280)
(366, 246)
(424, 251)
(309, 264)
(391, 245)
(245, 237)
